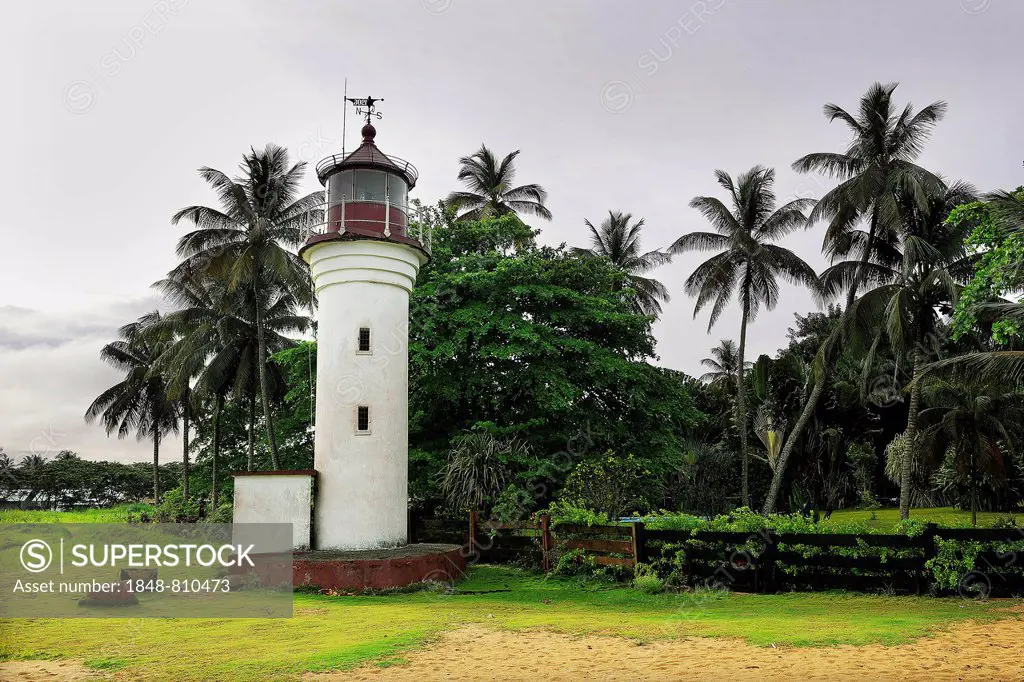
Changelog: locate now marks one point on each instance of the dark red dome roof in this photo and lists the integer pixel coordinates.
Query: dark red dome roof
(367, 155)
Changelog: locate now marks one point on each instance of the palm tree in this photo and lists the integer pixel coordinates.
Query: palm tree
(748, 264)
(934, 264)
(1007, 210)
(220, 345)
(722, 363)
(973, 422)
(878, 160)
(139, 403)
(8, 473)
(817, 380)
(619, 241)
(31, 476)
(246, 242)
(999, 365)
(490, 189)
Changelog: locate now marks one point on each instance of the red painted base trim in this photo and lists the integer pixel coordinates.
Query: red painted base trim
(354, 575)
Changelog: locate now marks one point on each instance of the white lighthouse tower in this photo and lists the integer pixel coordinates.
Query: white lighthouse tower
(363, 268)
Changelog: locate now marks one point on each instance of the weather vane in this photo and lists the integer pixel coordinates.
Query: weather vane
(366, 107)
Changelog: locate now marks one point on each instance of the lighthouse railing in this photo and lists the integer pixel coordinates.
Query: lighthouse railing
(318, 221)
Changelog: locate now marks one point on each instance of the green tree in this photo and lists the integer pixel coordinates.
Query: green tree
(534, 344)
(875, 166)
(490, 190)
(974, 423)
(828, 345)
(878, 161)
(747, 266)
(998, 233)
(619, 241)
(246, 243)
(904, 306)
(139, 403)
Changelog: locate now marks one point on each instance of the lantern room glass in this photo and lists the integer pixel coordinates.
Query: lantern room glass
(370, 186)
(341, 187)
(398, 192)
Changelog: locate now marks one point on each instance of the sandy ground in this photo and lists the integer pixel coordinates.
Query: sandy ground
(993, 651)
(46, 671)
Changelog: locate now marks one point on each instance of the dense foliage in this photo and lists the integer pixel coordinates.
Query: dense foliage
(67, 481)
(532, 374)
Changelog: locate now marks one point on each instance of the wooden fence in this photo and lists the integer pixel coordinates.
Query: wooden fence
(747, 562)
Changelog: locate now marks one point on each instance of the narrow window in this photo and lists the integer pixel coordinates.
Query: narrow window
(363, 418)
(364, 339)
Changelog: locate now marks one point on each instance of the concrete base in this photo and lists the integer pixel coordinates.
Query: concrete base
(277, 497)
(353, 571)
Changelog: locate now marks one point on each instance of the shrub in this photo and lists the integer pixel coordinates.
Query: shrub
(223, 514)
(138, 512)
(864, 460)
(478, 469)
(609, 484)
(1005, 522)
(707, 478)
(646, 580)
(174, 509)
(575, 562)
(513, 504)
(564, 512)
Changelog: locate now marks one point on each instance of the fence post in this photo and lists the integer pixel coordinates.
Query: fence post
(639, 543)
(472, 533)
(928, 542)
(766, 565)
(545, 541)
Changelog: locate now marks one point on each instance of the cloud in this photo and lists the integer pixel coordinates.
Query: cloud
(50, 371)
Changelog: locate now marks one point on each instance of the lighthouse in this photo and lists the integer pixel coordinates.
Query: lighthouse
(363, 267)
(349, 514)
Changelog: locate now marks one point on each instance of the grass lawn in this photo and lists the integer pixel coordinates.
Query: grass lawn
(342, 632)
(118, 514)
(885, 519)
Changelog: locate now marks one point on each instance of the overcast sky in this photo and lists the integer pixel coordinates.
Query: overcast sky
(110, 106)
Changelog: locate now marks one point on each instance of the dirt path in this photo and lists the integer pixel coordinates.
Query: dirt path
(47, 671)
(993, 651)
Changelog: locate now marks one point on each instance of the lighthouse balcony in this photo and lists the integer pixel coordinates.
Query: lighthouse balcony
(376, 216)
(367, 219)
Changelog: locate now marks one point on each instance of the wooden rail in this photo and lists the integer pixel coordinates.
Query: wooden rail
(756, 562)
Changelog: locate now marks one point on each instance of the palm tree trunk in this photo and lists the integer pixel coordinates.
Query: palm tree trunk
(974, 490)
(741, 409)
(906, 467)
(184, 450)
(156, 467)
(264, 388)
(216, 452)
(864, 258)
(252, 431)
(794, 436)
